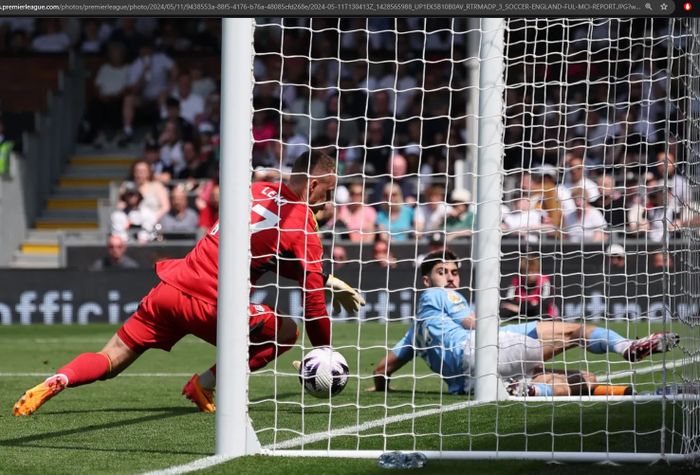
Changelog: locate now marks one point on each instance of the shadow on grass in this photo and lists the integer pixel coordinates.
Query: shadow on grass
(125, 450)
(160, 414)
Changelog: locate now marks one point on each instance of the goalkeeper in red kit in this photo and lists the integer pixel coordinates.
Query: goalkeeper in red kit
(283, 239)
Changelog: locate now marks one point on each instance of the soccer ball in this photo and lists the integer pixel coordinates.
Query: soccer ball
(323, 372)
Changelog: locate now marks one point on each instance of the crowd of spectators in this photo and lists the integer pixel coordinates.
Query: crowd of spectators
(590, 135)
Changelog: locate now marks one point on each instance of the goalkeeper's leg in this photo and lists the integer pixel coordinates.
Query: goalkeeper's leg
(155, 324)
(270, 337)
(84, 369)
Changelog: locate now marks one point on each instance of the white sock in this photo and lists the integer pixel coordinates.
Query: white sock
(61, 376)
(621, 346)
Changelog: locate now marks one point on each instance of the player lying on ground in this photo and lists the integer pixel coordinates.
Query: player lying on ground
(442, 334)
(185, 301)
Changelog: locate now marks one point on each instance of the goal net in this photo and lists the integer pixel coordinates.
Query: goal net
(558, 159)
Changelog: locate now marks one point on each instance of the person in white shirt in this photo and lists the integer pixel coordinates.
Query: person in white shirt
(191, 103)
(576, 178)
(111, 83)
(587, 224)
(526, 219)
(150, 77)
(52, 39)
(681, 190)
(430, 215)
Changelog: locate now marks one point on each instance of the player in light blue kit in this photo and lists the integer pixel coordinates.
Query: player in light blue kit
(442, 334)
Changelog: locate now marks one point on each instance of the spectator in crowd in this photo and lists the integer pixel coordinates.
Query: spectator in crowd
(340, 257)
(382, 255)
(412, 155)
(171, 154)
(326, 221)
(191, 103)
(395, 219)
(91, 41)
(398, 169)
(52, 38)
(615, 254)
(293, 143)
(181, 218)
(116, 257)
(172, 114)
(202, 84)
(662, 212)
(132, 216)
(155, 196)
(151, 155)
(264, 132)
(431, 215)
(576, 177)
(587, 223)
(612, 202)
(150, 78)
(358, 218)
(681, 190)
(531, 294)
(127, 34)
(207, 203)
(196, 168)
(526, 220)
(378, 151)
(541, 186)
(111, 83)
(460, 218)
(660, 261)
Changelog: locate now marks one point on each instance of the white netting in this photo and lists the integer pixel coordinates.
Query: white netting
(600, 158)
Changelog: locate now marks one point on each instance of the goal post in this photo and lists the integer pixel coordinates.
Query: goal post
(489, 190)
(586, 143)
(234, 434)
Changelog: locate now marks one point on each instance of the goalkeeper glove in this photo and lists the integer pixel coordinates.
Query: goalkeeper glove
(343, 295)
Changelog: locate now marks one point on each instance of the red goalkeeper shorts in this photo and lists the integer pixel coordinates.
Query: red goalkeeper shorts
(167, 314)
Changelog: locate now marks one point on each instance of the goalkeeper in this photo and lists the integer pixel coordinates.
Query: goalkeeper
(284, 238)
(442, 334)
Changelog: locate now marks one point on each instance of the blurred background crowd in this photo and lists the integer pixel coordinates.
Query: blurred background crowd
(593, 134)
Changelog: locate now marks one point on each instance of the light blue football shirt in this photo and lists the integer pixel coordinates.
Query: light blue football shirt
(437, 335)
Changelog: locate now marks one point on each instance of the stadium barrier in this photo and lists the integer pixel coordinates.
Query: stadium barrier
(585, 285)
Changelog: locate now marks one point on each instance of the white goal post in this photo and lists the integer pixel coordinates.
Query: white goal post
(587, 158)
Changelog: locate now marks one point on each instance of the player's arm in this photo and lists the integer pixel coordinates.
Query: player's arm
(384, 369)
(316, 321)
(469, 322)
(307, 251)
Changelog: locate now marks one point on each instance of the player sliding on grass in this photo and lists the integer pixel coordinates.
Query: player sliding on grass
(283, 239)
(442, 334)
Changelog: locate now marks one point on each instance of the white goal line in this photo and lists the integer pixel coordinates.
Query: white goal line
(679, 363)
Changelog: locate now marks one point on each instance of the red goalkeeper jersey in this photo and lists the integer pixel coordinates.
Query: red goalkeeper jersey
(283, 239)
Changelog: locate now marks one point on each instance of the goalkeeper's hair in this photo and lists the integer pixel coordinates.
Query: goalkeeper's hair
(436, 257)
(310, 161)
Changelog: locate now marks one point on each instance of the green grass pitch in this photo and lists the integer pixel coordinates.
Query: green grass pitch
(137, 422)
